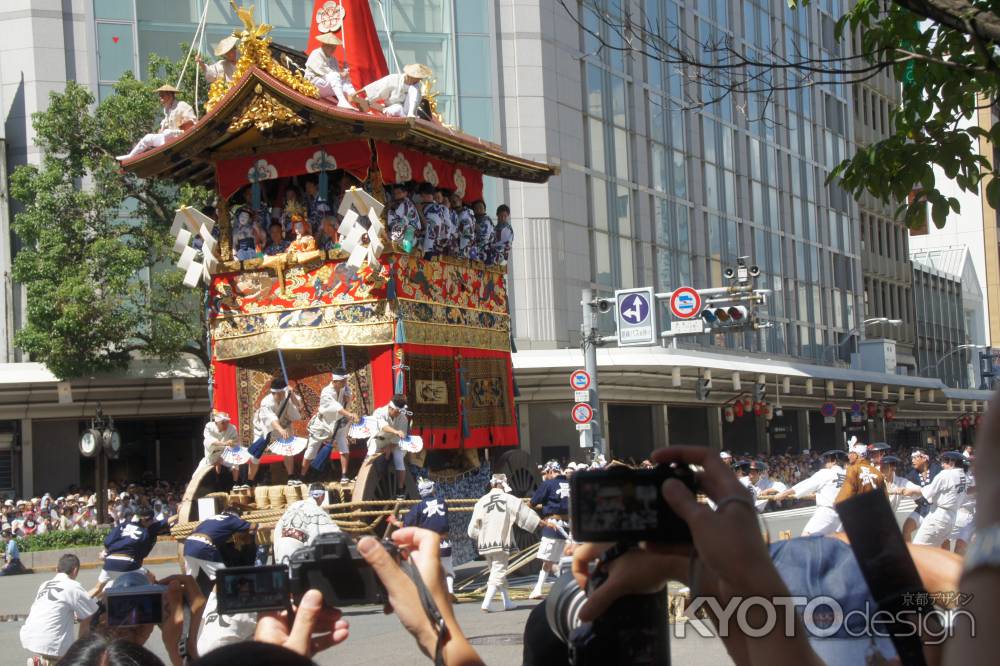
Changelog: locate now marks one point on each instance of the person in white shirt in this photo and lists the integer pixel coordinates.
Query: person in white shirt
(178, 118)
(218, 435)
(392, 424)
(225, 68)
(945, 494)
(331, 421)
(825, 484)
(274, 417)
(324, 72)
(896, 486)
(398, 95)
(47, 632)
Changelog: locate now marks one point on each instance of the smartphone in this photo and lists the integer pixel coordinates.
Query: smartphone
(133, 606)
(624, 504)
(888, 569)
(252, 589)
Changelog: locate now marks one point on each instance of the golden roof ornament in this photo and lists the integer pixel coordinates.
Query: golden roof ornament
(255, 51)
(427, 92)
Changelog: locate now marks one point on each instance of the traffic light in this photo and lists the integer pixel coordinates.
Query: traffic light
(704, 388)
(726, 315)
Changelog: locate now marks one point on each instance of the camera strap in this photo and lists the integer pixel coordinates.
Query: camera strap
(182, 643)
(430, 607)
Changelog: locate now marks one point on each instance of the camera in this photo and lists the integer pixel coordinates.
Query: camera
(132, 606)
(252, 589)
(634, 630)
(333, 565)
(624, 504)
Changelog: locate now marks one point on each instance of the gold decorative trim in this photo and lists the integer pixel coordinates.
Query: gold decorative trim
(264, 112)
(360, 335)
(445, 335)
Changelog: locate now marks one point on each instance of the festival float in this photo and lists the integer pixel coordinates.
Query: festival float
(437, 330)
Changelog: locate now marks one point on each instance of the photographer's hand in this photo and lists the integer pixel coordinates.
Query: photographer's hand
(181, 589)
(314, 629)
(424, 549)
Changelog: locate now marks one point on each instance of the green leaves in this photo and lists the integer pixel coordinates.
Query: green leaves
(936, 124)
(96, 261)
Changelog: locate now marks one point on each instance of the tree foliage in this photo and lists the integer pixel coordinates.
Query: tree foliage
(944, 53)
(95, 255)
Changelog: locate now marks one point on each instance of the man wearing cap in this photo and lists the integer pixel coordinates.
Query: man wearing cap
(552, 496)
(896, 485)
(392, 425)
(47, 632)
(431, 513)
(398, 94)
(965, 519)
(492, 526)
(324, 72)
(218, 435)
(764, 486)
(944, 494)
(202, 548)
(825, 484)
(178, 118)
(128, 544)
(922, 472)
(273, 418)
(226, 67)
(331, 422)
(861, 475)
(12, 565)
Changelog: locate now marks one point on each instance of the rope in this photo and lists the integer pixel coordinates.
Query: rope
(388, 35)
(199, 31)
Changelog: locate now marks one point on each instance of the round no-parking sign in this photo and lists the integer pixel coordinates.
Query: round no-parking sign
(582, 413)
(685, 303)
(579, 380)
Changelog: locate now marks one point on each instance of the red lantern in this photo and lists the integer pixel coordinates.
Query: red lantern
(757, 409)
(738, 408)
(965, 422)
(747, 404)
(727, 413)
(768, 411)
(872, 410)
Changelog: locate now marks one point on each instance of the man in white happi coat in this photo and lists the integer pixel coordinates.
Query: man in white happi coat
(945, 495)
(492, 526)
(226, 67)
(392, 424)
(274, 418)
(178, 118)
(398, 95)
(324, 72)
(331, 422)
(896, 485)
(757, 476)
(218, 435)
(825, 484)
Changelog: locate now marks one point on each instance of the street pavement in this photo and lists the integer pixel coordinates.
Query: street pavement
(374, 639)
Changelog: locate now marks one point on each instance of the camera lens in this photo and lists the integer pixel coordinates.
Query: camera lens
(562, 607)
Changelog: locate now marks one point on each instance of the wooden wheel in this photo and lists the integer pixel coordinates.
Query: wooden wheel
(199, 486)
(522, 476)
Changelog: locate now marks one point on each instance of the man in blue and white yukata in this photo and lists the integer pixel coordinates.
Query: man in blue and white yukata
(431, 513)
(129, 543)
(553, 496)
(202, 549)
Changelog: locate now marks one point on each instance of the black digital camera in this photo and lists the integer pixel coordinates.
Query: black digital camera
(137, 605)
(333, 565)
(626, 505)
(634, 631)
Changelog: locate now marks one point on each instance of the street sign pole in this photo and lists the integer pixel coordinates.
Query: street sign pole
(592, 438)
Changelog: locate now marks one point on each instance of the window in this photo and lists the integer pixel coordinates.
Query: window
(6, 469)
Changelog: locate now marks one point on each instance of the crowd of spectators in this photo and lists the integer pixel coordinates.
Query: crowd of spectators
(77, 509)
(421, 218)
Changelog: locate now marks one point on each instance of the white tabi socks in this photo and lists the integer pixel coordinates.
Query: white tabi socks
(537, 592)
(507, 603)
(490, 591)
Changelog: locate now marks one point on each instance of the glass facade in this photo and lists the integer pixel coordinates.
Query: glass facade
(720, 178)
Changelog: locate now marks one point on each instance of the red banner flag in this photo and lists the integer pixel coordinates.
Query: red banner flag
(351, 21)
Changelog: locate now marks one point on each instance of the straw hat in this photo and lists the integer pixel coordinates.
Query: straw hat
(417, 71)
(166, 87)
(226, 45)
(328, 38)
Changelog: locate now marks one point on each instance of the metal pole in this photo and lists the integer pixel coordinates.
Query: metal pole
(588, 343)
